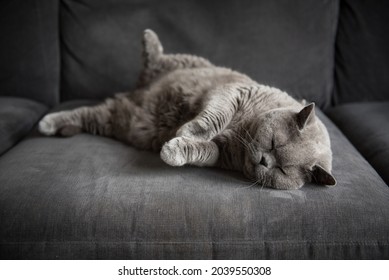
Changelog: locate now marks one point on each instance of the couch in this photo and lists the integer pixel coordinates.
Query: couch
(90, 197)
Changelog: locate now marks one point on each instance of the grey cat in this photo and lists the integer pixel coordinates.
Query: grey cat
(194, 112)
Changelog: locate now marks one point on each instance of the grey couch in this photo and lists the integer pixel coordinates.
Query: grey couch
(90, 197)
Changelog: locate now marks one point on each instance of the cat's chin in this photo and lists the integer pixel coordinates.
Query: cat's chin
(249, 173)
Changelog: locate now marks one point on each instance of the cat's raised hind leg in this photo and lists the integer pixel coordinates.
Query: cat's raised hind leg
(193, 144)
(218, 112)
(156, 63)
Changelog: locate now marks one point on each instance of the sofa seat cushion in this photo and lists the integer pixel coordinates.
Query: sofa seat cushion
(367, 127)
(89, 197)
(17, 118)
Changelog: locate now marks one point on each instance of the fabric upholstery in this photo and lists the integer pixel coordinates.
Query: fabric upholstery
(29, 56)
(17, 118)
(288, 44)
(362, 57)
(367, 127)
(89, 197)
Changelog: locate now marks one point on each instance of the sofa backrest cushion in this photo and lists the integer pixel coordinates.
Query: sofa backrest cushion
(29, 54)
(287, 44)
(362, 51)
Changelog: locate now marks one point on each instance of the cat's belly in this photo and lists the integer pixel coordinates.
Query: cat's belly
(175, 99)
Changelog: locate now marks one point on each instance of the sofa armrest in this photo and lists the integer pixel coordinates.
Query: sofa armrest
(17, 117)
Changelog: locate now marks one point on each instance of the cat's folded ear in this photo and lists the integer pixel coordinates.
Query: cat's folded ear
(322, 177)
(305, 116)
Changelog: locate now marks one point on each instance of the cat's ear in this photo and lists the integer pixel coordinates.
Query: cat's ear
(305, 116)
(321, 176)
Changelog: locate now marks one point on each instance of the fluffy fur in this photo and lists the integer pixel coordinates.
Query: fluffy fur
(196, 113)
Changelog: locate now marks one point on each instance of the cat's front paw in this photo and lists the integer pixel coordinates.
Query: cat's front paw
(172, 152)
(47, 125)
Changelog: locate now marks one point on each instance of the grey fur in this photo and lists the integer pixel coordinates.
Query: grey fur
(196, 113)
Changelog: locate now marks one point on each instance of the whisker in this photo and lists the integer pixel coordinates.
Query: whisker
(242, 141)
(252, 140)
(245, 143)
(251, 143)
(248, 187)
(264, 183)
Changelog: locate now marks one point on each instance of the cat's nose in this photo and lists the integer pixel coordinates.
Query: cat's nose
(267, 160)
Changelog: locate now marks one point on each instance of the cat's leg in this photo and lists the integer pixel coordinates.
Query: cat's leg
(156, 63)
(181, 150)
(218, 112)
(94, 120)
(119, 118)
(193, 144)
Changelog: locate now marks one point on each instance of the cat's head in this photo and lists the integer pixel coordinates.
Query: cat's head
(289, 148)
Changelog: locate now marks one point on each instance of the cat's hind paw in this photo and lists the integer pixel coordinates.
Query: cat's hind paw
(47, 125)
(172, 152)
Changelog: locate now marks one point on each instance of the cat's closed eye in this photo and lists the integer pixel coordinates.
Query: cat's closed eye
(273, 146)
(282, 170)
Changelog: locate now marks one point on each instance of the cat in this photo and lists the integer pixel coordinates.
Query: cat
(196, 113)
